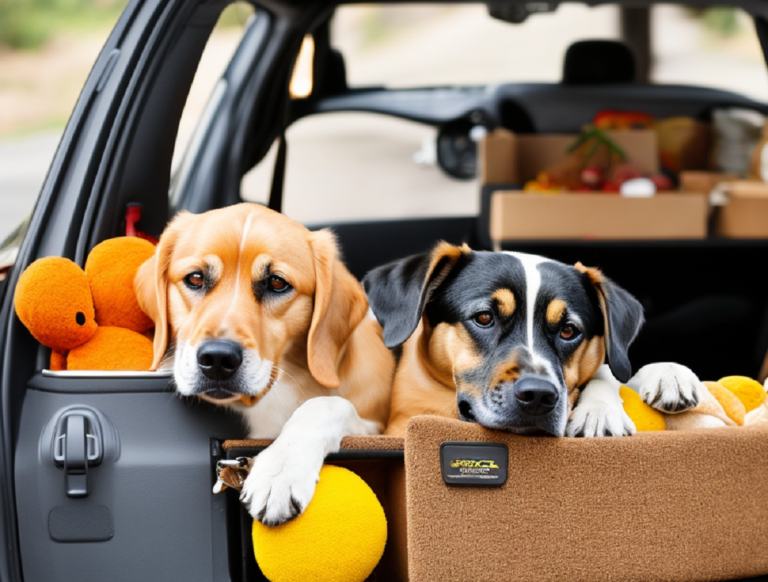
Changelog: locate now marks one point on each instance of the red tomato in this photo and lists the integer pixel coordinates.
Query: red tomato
(662, 182)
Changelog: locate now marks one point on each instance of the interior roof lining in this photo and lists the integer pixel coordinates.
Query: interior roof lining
(751, 6)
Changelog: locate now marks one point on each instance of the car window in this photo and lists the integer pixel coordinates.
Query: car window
(716, 48)
(423, 45)
(362, 166)
(47, 51)
(219, 49)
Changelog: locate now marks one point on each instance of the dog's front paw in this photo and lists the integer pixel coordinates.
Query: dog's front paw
(279, 486)
(599, 419)
(599, 411)
(667, 387)
(360, 426)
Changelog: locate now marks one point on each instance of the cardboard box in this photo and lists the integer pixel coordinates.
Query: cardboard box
(520, 215)
(703, 182)
(743, 210)
(510, 160)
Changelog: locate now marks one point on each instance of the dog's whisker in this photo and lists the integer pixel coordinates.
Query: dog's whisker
(169, 358)
(280, 394)
(279, 369)
(295, 381)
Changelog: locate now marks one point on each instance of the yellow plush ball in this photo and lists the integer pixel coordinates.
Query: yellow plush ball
(733, 407)
(340, 537)
(750, 392)
(644, 417)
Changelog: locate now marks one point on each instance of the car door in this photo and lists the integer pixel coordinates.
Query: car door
(109, 475)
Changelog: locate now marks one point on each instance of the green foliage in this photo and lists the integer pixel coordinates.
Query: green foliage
(20, 27)
(235, 15)
(28, 24)
(721, 20)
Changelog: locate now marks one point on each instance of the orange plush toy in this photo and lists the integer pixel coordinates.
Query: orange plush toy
(90, 319)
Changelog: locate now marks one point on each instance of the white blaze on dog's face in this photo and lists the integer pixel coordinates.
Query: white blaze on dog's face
(512, 333)
(236, 291)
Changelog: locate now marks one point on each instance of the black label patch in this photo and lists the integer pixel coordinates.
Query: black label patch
(468, 463)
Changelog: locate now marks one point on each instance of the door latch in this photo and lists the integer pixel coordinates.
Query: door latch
(77, 445)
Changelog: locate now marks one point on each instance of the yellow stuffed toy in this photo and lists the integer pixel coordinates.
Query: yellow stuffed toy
(340, 537)
(731, 401)
(90, 319)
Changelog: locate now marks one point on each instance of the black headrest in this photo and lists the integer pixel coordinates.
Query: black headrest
(598, 61)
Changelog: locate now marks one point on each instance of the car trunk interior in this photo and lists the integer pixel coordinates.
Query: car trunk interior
(705, 302)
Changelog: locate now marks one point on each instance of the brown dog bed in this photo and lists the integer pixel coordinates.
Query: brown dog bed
(682, 505)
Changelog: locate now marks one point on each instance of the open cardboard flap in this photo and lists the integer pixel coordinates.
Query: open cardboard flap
(673, 505)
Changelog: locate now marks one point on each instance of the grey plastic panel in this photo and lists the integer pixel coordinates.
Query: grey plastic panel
(79, 382)
(85, 523)
(156, 497)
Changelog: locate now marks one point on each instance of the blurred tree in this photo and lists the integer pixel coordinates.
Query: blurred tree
(28, 24)
(20, 26)
(722, 20)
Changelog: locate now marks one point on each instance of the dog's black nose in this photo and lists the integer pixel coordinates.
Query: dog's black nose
(536, 396)
(219, 359)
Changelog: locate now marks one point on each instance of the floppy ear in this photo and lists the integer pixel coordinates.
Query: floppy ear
(340, 306)
(399, 291)
(623, 316)
(151, 286)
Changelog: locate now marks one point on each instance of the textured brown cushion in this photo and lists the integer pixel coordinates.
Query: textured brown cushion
(685, 505)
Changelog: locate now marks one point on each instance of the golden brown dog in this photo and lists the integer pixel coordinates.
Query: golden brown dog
(254, 311)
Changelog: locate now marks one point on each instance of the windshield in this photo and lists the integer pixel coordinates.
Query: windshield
(424, 45)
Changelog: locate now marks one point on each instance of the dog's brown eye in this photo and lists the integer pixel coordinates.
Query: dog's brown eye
(569, 331)
(194, 280)
(484, 318)
(278, 284)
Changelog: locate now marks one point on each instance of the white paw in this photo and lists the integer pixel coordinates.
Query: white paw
(667, 387)
(599, 412)
(359, 426)
(280, 485)
(599, 421)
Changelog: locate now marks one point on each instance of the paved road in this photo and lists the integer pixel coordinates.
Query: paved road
(23, 166)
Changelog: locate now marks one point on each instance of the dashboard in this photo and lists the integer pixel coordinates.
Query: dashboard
(519, 107)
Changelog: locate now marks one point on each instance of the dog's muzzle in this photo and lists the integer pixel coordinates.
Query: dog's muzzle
(221, 370)
(219, 359)
(535, 396)
(529, 405)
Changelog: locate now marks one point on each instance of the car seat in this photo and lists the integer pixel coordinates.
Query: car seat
(590, 62)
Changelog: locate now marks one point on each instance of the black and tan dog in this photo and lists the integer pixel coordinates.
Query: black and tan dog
(509, 340)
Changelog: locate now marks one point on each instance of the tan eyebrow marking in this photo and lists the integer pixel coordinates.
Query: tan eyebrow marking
(259, 266)
(555, 311)
(215, 267)
(506, 301)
